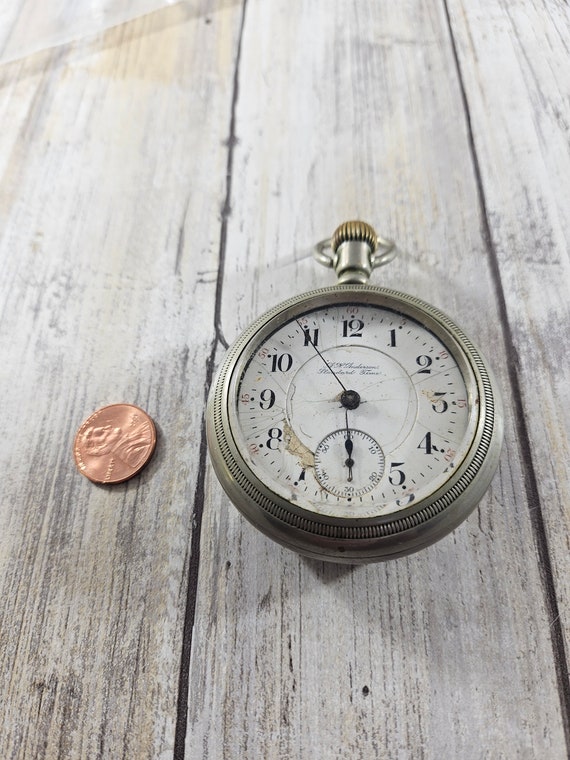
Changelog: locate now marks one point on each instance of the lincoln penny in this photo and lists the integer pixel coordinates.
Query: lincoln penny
(114, 443)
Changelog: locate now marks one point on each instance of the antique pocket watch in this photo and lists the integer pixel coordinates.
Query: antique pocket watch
(354, 423)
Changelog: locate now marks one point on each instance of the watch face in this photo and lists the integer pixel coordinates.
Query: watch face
(353, 407)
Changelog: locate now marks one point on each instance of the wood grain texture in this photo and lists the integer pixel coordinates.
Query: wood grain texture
(162, 185)
(110, 200)
(523, 150)
(436, 655)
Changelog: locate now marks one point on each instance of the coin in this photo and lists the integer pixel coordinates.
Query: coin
(114, 443)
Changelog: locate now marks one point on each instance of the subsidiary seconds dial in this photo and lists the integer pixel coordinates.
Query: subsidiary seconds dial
(363, 463)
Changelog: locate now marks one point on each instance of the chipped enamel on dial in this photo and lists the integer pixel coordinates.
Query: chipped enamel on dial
(353, 410)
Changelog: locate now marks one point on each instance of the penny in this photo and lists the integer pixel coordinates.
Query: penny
(114, 443)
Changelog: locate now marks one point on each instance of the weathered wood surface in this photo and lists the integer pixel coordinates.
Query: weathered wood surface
(162, 184)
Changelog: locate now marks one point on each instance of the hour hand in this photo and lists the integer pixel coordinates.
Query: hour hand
(348, 445)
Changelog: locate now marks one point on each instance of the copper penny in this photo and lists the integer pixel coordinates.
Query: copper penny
(114, 443)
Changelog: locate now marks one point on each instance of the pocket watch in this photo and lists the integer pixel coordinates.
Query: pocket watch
(354, 423)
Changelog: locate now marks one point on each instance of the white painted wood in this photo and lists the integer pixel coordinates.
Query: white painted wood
(27, 28)
(522, 140)
(110, 199)
(149, 620)
(443, 654)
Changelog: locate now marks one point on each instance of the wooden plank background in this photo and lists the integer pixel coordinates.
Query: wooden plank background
(161, 184)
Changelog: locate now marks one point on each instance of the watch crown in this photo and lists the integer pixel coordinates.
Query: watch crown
(354, 251)
(355, 230)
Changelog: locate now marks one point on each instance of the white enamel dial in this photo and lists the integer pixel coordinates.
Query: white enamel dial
(360, 383)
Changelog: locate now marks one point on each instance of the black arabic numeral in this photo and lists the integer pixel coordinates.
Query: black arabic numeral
(281, 362)
(311, 340)
(267, 398)
(397, 477)
(352, 328)
(439, 404)
(426, 444)
(425, 362)
(275, 437)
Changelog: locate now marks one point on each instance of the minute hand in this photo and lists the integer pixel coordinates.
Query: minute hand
(349, 399)
(333, 373)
